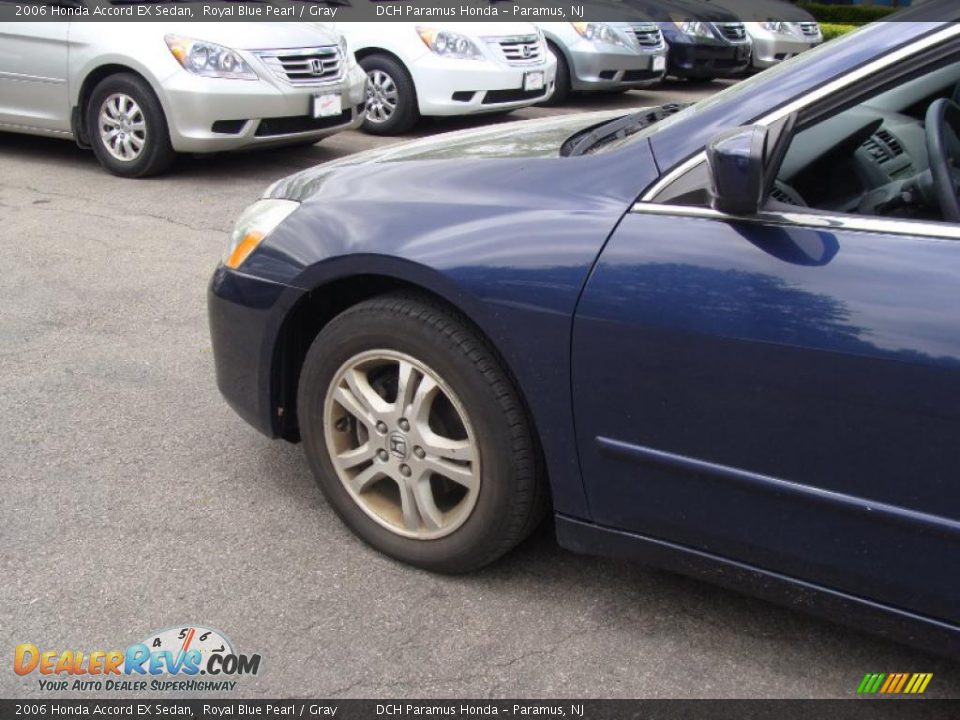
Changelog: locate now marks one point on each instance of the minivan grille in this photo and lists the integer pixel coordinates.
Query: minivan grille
(734, 32)
(304, 66)
(810, 29)
(648, 36)
(521, 50)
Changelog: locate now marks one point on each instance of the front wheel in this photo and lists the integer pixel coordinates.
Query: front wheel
(416, 436)
(561, 86)
(391, 106)
(127, 128)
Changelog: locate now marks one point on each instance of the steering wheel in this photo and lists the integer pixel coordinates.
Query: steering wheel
(943, 148)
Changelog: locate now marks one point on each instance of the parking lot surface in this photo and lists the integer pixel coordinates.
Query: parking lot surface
(135, 500)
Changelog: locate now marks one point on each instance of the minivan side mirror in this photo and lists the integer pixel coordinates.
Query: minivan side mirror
(738, 160)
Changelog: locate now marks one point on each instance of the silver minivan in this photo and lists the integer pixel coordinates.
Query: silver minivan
(605, 56)
(138, 93)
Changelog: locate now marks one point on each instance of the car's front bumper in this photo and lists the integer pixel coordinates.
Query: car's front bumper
(707, 59)
(215, 115)
(448, 86)
(769, 50)
(612, 67)
(245, 316)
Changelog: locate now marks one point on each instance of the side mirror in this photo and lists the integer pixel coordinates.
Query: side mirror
(738, 160)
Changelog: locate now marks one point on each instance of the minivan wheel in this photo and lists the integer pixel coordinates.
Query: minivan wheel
(417, 437)
(391, 106)
(561, 87)
(127, 128)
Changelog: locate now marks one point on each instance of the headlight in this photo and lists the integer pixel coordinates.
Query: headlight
(209, 59)
(776, 26)
(449, 44)
(348, 56)
(599, 33)
(694, 28)
(256, 222)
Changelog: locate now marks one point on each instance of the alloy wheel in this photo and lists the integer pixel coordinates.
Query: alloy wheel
(382, 96)
(123, 128)
(402, 444)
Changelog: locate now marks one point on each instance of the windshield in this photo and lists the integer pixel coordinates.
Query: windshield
(734, 90)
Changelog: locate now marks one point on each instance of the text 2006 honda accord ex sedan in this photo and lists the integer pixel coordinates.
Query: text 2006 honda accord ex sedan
(721, 339)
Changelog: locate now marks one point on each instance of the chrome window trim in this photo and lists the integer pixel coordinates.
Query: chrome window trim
(855, 223)
(952, 30)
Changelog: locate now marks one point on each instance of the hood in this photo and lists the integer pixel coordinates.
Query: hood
(523, 139)
(256, 35)
(667, 10)
(763, 10)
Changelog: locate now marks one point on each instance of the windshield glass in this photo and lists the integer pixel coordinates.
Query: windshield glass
(734, 90)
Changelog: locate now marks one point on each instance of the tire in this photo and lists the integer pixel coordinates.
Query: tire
(397, 87)
(113, 97)
(509, 496)
(561, 87)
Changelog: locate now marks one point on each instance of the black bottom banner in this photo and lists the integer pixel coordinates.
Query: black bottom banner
(873, 709)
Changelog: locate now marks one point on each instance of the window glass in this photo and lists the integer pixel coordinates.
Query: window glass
(872, 159)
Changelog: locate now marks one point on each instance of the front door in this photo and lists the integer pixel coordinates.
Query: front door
(784, 389)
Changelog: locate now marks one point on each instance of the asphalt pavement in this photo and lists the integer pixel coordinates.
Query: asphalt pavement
(135, 500)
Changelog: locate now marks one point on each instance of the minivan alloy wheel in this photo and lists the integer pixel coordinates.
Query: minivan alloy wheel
(402, 444)
(382, 96)
(123, 128)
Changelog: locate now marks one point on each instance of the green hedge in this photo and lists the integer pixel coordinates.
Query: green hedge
(835, 30)
(847, 14)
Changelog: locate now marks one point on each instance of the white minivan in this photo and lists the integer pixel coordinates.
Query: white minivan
(448, 68)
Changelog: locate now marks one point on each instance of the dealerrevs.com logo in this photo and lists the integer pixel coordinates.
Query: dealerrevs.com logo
(181, 659)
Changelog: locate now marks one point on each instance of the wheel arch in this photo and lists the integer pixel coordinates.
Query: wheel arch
(558, 47)
(307, 318)
(367, 52)
(91, 79)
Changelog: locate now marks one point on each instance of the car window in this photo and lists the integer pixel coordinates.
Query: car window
(872, 159)
(867, 159)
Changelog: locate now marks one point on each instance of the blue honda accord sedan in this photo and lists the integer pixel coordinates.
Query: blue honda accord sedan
(723, 339)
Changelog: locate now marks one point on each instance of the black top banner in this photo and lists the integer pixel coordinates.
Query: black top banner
(448, 10)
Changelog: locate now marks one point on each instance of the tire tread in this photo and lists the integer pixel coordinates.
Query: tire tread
(530, 499)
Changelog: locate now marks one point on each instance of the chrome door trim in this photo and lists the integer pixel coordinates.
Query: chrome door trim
(952, 30)
(20, 77)
(831, 223)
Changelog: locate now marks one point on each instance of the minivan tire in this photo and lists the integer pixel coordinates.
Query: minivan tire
(156, 153)
(406, 114)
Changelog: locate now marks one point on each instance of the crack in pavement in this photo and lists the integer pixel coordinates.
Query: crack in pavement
(100, 216)
(412, 682)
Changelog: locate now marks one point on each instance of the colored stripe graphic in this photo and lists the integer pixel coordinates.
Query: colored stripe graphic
(894, 683)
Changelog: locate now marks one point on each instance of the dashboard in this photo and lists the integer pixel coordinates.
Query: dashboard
(836, 164)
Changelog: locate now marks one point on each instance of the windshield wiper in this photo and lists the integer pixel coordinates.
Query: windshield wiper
(619, 128)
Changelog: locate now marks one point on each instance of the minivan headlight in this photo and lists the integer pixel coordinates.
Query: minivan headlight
(253, 227)
(694, 28)
(776, 26)
(209, 59)
(449, 44)
(599, 33)
(348, 56)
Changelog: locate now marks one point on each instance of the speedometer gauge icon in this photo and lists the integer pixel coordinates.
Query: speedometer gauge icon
(185, 638)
